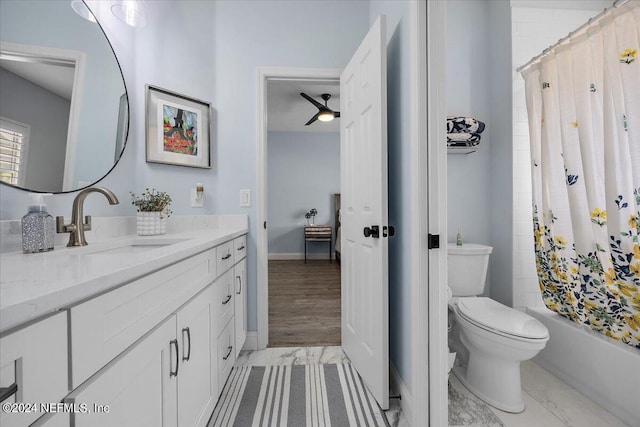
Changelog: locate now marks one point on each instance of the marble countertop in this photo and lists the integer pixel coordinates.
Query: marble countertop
(34, 285)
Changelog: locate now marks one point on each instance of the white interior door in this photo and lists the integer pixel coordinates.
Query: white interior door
(363, 171)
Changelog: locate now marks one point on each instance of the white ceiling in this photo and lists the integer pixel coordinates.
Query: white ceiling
(287, 111)
(54, 78)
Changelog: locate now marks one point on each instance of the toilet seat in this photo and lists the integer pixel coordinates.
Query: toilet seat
(500, 319)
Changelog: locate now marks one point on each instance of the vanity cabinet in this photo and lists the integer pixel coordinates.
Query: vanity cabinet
(26, 357)
(155, 351)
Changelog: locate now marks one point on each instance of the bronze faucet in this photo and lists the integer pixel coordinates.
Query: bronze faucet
(77, 228)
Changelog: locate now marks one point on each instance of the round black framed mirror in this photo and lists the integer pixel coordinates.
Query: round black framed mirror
(64, 110)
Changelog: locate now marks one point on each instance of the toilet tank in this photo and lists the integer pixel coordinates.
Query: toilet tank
(467, 268)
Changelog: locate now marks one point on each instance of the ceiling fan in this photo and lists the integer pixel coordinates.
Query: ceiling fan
(324, 114)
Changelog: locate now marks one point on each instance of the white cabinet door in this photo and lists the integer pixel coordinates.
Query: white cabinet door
(33, 368)
(197, 377)
(139, 387)
(240, 302)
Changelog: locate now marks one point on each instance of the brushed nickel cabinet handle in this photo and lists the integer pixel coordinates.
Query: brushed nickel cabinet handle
(239, 281)
(188, 356)
(226, 257)
(225, 302)
(241, 248)
(172, 373)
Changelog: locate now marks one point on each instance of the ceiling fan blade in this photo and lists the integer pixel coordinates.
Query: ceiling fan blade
(318, 105)
(336, 114)
(313, 119)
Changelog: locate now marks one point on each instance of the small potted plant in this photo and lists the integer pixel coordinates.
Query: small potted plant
(153, 210)
(311, 216)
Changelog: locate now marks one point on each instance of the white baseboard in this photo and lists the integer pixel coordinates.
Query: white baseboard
(398, 387)
(251, 343)
(296, 256)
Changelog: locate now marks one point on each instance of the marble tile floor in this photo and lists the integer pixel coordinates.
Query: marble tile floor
(308, 356)
(550, 402)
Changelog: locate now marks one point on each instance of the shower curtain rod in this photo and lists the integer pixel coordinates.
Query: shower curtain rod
(584, 26)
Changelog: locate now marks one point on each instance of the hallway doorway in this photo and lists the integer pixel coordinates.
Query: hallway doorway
(303, 175)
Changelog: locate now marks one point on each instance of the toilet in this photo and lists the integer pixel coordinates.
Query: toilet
(494, 338)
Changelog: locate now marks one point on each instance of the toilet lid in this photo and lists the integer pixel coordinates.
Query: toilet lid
(493, 315)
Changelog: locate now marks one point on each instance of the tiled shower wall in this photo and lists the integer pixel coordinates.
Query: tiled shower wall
(533, 30)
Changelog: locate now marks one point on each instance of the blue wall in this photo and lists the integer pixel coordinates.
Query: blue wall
(468, 94)
(304, 173)
(479, 193)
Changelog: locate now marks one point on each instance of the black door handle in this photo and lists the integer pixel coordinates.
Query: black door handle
(373, 231)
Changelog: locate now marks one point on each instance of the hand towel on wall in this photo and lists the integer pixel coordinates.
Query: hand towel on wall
(464, 125)
(463, 139)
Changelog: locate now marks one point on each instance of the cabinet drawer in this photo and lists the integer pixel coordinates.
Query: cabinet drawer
(224, 296)
(226, 354)
(224, 254)
(103, 327)
(35, 360)
(239, 248)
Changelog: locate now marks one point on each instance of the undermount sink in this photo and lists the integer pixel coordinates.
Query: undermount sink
(135, 246)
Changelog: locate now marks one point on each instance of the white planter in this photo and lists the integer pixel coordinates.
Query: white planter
(151, 223)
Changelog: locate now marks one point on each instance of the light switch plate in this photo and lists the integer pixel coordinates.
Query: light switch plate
(245, 198)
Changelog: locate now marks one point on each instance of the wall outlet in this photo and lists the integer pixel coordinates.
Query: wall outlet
(245, 198)
(195, 203)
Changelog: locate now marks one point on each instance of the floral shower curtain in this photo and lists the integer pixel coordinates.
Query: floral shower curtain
(583, 102)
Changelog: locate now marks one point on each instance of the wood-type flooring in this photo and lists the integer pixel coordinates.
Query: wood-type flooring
(304, 303)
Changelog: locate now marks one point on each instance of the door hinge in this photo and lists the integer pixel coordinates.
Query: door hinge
(434, 241)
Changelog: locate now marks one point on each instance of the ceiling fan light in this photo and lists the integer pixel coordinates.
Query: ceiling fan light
(326, 116)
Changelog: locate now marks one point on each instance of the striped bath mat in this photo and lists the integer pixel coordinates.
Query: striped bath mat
(298, 395)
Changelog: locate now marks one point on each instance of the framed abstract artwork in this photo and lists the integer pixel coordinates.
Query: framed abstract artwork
(178, 129)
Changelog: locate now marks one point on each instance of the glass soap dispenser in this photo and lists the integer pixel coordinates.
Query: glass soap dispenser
(38, 227)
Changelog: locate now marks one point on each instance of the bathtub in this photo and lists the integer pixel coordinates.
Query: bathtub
(606, 371)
